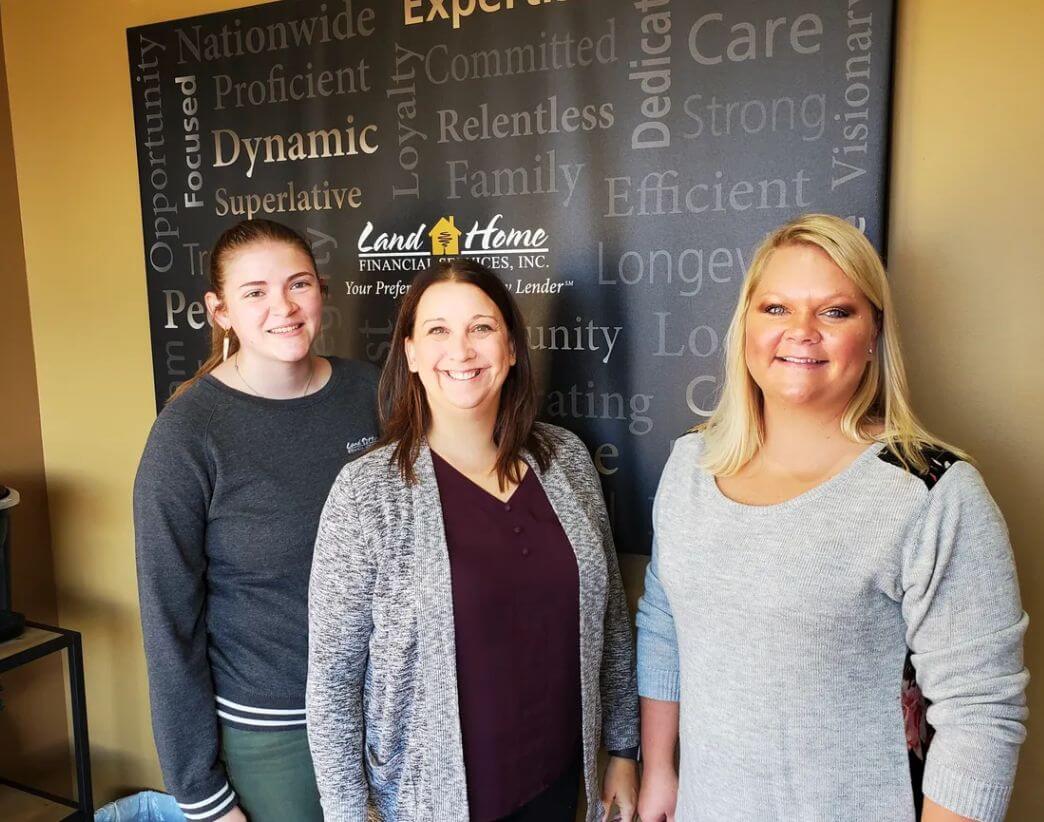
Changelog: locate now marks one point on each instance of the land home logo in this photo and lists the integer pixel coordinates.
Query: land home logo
(492, 244)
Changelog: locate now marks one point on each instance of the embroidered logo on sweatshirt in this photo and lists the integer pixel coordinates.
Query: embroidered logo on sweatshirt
(355, 446)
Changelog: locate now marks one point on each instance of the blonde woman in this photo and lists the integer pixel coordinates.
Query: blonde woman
(810, 540)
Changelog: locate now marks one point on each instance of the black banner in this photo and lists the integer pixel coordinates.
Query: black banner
(616, 162)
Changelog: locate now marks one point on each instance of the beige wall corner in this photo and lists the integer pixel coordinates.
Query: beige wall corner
(965, 248)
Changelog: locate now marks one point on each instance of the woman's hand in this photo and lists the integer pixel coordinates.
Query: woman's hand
(659, 794)
(659, 743)
(937, 813)
(234, 815)
(620, 785)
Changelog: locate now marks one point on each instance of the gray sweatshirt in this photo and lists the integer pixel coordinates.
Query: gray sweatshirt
(226, 505)
(782, 630)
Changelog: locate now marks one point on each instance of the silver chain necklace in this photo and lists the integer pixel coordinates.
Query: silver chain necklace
(311, 373)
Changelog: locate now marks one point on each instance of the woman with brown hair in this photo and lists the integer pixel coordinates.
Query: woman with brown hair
(226, 504)
(470, 644)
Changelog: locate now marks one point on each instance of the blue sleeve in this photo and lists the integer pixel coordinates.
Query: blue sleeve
(658, 676)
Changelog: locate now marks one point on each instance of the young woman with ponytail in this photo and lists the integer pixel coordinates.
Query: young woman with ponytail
(226, 505)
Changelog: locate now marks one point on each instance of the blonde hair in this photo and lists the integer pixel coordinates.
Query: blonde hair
(735, 431)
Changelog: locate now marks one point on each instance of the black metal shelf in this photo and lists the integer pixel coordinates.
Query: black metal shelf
(38, 641)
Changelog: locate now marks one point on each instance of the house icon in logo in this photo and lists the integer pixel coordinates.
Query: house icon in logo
(445, 238)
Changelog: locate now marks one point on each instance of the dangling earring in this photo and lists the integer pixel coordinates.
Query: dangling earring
(225, 344)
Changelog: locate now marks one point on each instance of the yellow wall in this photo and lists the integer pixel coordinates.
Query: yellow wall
(33, 726)
(966, 237)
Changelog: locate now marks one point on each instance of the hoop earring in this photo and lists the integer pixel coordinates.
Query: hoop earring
(224, 346)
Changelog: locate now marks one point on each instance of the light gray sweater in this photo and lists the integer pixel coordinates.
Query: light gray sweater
(783, 630)
(383, 716)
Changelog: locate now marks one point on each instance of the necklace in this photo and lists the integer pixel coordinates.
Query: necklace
(311, 373)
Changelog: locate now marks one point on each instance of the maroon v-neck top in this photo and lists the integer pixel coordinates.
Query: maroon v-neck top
(516, 615)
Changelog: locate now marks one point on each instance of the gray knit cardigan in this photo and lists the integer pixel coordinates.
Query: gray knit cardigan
(383, 719)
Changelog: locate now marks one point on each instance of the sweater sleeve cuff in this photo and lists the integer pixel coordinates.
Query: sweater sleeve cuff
(964, 794)
(209, 808)
(654, 684)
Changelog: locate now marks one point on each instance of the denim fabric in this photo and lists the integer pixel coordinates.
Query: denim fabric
(148, 806)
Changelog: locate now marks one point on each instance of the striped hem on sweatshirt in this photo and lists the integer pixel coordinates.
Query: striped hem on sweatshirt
(254, 718)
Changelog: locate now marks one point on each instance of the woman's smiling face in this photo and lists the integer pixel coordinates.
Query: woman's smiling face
(272, 299)
(809, 330)
(460, 349)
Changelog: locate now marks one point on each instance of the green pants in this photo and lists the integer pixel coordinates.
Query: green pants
(272, 773)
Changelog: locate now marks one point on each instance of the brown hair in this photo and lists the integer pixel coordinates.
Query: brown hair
(230, 243)
(405, 414)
